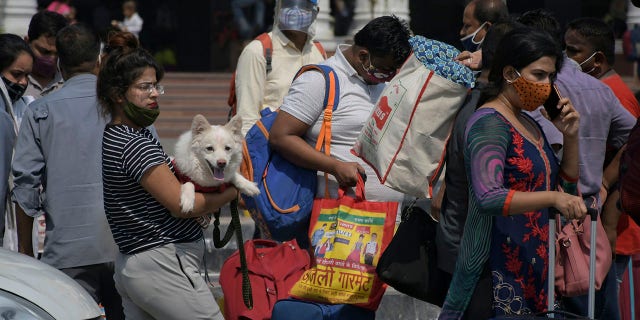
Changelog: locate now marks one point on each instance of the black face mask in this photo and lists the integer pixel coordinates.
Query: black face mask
(15, 90)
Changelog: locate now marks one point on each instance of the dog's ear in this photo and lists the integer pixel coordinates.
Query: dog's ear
(199, 125)
(235, 124)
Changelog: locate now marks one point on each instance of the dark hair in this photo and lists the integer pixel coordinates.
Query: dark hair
(125, 61)
(490, 43)
(130, 2)
(11, 46)
(519, 48)
(543, 20)
(46, 23)
(78, 48)
(490, 10)
(598, 34)
(386, 36)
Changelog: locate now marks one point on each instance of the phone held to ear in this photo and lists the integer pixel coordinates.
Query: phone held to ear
(551, 105)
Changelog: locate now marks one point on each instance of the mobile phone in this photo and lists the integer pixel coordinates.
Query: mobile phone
(551, 105)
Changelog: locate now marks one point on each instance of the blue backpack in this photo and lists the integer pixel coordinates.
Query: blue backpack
(283, 207)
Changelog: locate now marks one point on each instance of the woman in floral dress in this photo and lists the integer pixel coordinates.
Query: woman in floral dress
(515, 178)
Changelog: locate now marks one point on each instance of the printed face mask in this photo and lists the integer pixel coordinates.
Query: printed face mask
(375, 75)
(44, 66)
(531, 94)
(142, 117)
(468, 43)
(585, 60)
(295, 19)
(14, 89)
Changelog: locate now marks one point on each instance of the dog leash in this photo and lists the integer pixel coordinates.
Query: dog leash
(247, 297)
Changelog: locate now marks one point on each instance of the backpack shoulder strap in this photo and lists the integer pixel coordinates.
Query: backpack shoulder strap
(332, 87)
(267, 51)
(331, 100)
(267, 48)
(320, 48)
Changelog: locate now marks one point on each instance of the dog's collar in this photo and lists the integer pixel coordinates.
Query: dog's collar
(184, 179)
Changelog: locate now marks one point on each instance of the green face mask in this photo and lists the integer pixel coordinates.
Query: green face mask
(141, 116)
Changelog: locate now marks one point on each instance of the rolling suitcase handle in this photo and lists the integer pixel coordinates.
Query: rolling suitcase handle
(551, 269)
(593, 213)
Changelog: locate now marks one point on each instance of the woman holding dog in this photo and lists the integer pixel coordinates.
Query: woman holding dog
(157, 268)
(514, 180)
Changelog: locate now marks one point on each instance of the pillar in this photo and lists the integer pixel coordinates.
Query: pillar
(15, 15)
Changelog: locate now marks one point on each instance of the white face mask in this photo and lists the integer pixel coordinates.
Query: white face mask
(585, 60)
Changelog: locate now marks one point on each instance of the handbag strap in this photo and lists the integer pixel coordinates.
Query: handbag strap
(331, 100)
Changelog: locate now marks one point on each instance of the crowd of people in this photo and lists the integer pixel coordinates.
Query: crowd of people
(78, 147)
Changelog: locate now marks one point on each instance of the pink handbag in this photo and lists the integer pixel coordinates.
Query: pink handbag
(572, 261)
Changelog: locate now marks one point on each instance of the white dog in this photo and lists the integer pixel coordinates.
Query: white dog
(210, 156)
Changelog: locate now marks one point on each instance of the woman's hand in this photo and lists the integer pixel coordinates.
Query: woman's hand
(347, 173)
(570, 206)
(568, 122)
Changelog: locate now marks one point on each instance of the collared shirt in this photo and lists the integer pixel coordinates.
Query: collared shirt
(37, 90)
(10, 117)
(357, 101)
(59, 149)
(7, 140)
(255, 89)
(603, 120)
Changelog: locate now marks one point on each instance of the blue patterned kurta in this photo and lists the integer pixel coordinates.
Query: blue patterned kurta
(500, 161)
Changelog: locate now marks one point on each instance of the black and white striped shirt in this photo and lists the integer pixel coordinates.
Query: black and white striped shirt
(138, 222)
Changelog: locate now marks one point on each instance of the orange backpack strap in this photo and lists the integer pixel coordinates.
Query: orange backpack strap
(320, 48)
(267, 51)
(331, 100)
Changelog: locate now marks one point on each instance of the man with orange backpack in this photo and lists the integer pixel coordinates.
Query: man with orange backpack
(267, 64)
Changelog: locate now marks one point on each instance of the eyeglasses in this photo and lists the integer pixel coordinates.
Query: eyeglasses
(148, 87)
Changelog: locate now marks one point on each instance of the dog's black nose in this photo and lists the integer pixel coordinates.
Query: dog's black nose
(221, 163)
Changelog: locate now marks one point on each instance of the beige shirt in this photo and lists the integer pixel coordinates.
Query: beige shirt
(255, 89)
(37, 90)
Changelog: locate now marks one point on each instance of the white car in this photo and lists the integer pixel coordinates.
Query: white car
(30, 289)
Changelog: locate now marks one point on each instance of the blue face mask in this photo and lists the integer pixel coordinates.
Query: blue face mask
(468, 42)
